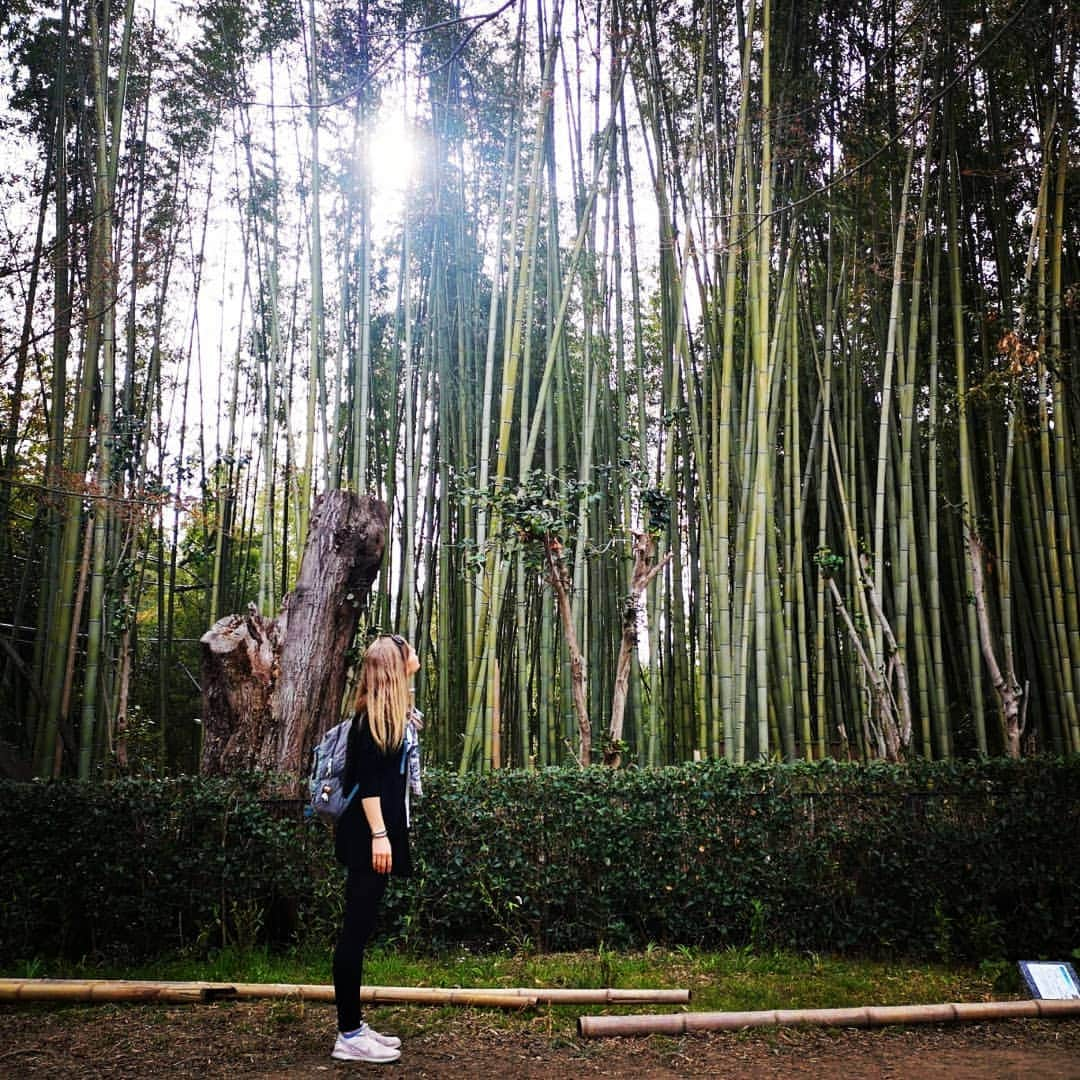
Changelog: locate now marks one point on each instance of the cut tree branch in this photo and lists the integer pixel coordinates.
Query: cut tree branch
(644, 572)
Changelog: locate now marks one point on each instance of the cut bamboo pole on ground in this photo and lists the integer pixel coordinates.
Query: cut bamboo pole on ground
(527, 995)
(387, 995)
(89, 990)
(102, 990)
(596, 996)
(868, 1016)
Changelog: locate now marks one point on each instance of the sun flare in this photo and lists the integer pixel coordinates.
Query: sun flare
(394, 155)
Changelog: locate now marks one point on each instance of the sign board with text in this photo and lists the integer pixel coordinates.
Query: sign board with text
(1050, 979)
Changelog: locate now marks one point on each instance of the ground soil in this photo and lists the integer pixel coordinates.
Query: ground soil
(275, 1040)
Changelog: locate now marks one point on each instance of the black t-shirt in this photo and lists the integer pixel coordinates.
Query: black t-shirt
(375, 774)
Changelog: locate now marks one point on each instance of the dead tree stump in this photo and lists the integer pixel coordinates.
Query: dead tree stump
(239, 666)
(271, 687)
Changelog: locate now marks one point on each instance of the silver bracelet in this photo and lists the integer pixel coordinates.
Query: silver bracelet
(378, 835)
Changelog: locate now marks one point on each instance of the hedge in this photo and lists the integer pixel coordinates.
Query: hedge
(950, 860)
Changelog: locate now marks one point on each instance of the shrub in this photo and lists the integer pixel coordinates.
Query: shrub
(951, 860)
(139, 868)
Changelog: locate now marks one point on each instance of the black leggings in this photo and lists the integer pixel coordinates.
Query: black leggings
(363, 891)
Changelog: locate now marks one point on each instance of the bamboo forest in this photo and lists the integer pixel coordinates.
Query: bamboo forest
(716, 360)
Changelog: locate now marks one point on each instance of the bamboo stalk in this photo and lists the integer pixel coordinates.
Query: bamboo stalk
(866, 1016)
(95, 990)
(92, 990)
(968, 494)
(599, 996)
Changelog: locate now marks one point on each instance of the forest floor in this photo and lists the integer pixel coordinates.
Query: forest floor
(275, 1040)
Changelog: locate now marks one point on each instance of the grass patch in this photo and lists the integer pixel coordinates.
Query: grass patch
(731, 980)
(719, 981)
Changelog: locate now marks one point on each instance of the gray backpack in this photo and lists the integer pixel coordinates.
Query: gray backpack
(326, 798)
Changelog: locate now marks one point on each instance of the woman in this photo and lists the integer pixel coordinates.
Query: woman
(372, 835)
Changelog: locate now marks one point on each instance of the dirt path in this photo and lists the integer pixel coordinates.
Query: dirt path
(278, 1040)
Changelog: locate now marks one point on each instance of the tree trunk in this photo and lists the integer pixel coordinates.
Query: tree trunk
(644, 571)
(271, 687)
(1005, 683)
(560, 582)
(238, 668)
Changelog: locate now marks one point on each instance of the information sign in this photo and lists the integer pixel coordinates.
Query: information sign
(1050, 979)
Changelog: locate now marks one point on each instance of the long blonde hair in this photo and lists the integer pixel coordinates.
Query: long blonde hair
(383, 691)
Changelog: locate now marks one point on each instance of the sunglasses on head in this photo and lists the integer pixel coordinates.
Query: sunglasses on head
(401, 643)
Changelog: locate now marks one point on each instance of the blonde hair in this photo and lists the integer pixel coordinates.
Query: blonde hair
(383, 692)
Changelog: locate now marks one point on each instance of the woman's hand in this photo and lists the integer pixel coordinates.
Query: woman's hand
(381, 859)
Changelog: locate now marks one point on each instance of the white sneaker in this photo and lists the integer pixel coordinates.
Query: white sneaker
(387, 1040)
(363, 1047)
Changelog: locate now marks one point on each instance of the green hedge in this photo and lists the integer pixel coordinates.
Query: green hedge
(135, 869)
(943, 860)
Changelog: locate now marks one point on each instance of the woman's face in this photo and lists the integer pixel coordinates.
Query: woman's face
(412, 661)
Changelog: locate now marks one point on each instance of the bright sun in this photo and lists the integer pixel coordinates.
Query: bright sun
(394, 156)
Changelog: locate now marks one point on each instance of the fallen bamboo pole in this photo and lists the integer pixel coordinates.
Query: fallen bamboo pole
(868, 1016)
(437, 995)
(179, 992)
(601, 996)
(386, 995)
(94, 990)
(100, 990)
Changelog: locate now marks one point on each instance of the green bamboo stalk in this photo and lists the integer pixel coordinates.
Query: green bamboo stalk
(495, 570)
(757, 538)
(408, 564)
(969, 505)
(641, 394)
(728, 698)
(104, 192)
(1064, 463)
(1053, 725)
(907, 566)
(49, 643)
(943, 733)
(886, 415)
(316, 384)
(798, 561)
